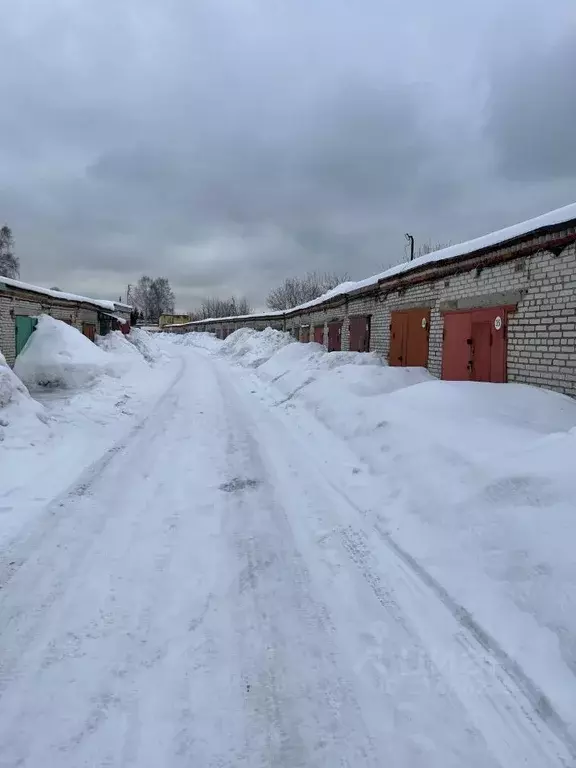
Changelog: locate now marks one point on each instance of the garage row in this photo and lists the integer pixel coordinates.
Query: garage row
(474, 341)
(501, 308)
(21, 304)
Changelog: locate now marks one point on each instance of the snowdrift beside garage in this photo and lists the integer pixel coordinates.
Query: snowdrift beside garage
(57, 355)
(251, 348)
(149, 347)
(71, 426)
(21, 417)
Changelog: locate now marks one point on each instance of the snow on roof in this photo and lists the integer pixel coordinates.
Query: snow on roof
(558, 216)
(500, 237)
(102, 303)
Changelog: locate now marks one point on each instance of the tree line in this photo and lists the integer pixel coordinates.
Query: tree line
(292, 292)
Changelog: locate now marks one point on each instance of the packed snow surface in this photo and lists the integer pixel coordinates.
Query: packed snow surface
(298, 559)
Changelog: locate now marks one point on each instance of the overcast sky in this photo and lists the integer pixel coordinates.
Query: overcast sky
(226, 144)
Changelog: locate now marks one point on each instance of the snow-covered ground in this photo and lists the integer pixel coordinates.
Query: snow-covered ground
(296, 560)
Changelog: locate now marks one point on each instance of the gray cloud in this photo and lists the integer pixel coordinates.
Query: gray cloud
(533, 113)
(228, 143)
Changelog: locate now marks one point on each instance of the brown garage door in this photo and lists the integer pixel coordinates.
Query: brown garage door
(319, 334)
(89, 330)
(305, 334)
(360, 334)
(409, 331)
(335, 336)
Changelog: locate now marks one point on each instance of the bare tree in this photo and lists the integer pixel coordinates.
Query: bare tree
(429, 247)
(9, 262)
(215, 307)
(298, 290)
(153, 297)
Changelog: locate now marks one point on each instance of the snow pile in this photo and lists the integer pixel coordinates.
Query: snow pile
(329, 379)
(477, 483)
(58, 355)
(148, 345)
(125, 354)
(21, 417)
(116, 343)
(251, 348)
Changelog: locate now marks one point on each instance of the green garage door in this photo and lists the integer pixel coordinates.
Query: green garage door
(24, 327)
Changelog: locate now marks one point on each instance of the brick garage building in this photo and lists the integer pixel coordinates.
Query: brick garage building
(498, 308)
(21, 303)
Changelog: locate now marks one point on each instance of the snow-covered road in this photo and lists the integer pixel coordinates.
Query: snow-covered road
(211, 594)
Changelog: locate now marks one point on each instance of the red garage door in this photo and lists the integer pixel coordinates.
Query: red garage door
(335, 336)
(360, 334)
(319, 334)
(89, 330)
(474, 347)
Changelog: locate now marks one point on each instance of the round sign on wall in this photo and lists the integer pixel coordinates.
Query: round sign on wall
(498, 323)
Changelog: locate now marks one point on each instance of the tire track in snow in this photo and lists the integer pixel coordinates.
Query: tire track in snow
(391, 702)
(508, 701)
(283, 632)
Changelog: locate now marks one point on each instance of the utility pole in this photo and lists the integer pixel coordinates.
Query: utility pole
(411, 241)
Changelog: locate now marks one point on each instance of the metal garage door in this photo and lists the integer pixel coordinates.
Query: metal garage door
(360, 334)
(335, 336)
(409, 332)
(89, 330)
(475, 346)
(305, 334)
(24, 326)
(319, 334)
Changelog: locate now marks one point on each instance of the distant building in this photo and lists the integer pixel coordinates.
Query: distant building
(174, 319)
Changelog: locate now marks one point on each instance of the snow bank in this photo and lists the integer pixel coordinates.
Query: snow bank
(251, 348)
(335, 375)
(116, 343)
(147, 344)
(477, 483)
(58, 355)
(22, 419)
